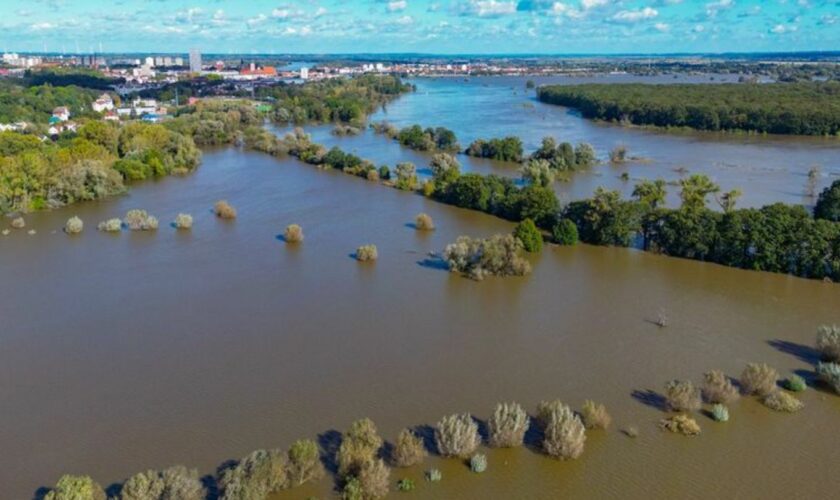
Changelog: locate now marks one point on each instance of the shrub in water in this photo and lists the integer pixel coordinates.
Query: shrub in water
(758, 379)
(19, 223)
(457, 436)
(782, 401)
(140, 220)
(478, 463)
(176, 482)
(372, 175)
(110, 225)
(434, 475)
(717, 388)
(183, 221)
(565, 232)
(830, 374)
(405, 484)
(293, 233)
(508, 425)
(359, 445)
(795, 383)
(408, 449)
(681, 424)
(531, 238)
(565, 434)
(374, 479)
(720, 413)
(74, 225)
(618, 154)
(477, 258)
(367, 253)
(224, 210)
(75, 488)
(352, 490)
(423, 222)
(595, 415)
(304, 462)
(256, 476)
(681, 395)
(828, 342)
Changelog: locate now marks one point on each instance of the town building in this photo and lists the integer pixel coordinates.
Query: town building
(195, 61)
(103, 103)
(61, 114)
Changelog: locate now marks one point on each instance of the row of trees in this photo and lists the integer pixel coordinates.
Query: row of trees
(811, 108)
(503, 149)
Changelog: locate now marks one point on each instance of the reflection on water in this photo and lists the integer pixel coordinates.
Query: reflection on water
(766, 168)
(124, 352)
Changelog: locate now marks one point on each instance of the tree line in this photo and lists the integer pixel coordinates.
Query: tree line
(810, 108)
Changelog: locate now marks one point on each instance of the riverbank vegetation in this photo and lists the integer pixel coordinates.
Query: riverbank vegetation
(811, 108)
(502, 149)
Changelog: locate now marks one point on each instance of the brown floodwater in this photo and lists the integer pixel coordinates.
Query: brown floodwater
(765, 168)
(120, 353)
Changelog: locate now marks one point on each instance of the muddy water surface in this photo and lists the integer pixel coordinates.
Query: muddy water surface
(124, 352)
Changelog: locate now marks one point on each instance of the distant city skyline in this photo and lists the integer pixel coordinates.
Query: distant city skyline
(414, 26)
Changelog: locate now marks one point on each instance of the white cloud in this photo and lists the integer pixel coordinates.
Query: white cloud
(633, 16)
(562, 9)
(397, 5)
(259, 19)
(405, 20)
(42, 26)
(662, 27)
(712, 8)
(489, 8)
(591, 4)
(782, 28)
(320, 12)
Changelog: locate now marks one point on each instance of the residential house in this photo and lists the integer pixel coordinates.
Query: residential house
(103, 103)
(62, 113)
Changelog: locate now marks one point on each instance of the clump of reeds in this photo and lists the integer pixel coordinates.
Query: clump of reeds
(595, 415)
(759, 379)
(423, 222)
(183, 221)
(478, 463)
(224, 210)
(779, 400)
(681, 424)
(74, 225)
(366, 253)
(140, 220)
(720, 413)
(682, 395)
(111, 225)
(293, 233)
(717, 388)
(408, 449)
(457, 436)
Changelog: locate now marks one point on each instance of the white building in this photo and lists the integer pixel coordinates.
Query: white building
(62, 113)
(103, 103)
(195, 61)
(304, 73)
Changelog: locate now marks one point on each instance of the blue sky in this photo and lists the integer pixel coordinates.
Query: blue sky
(430, 26)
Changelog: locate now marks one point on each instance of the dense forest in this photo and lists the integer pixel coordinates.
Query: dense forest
(780, 108)
(35, 104)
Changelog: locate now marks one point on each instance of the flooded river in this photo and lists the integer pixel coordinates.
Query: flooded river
(766, 168)
(120, 353)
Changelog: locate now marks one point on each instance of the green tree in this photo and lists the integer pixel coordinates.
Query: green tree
(651, 194)
(531, 238)
(695, 190)
(828, 203)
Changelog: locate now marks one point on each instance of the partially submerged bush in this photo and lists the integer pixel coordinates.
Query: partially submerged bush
(367, 253)
(682, 424)
(565, 232)
(406, 484)
(423, 222)
(111, 225)
(830, 374)
(140, 220)
(478, 463)
(74, 225)
(795, 383)
(304, 462)
(564, 433)
(374, 479)
(595, 415)
(293, 233)
(176, 482)
(256, 476)
(717, 388)
(359, 445)
(19, 223)
(508, 425)
(759, 379)
(408, 449)
(720, 413)
(433, 475)
(183, 221)
(457, 436)
(681, 395)
(477, 258)
(224, 210)
(531, 238)
(782, 401)
(828, 342)
(618, 154)
(75, 488)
